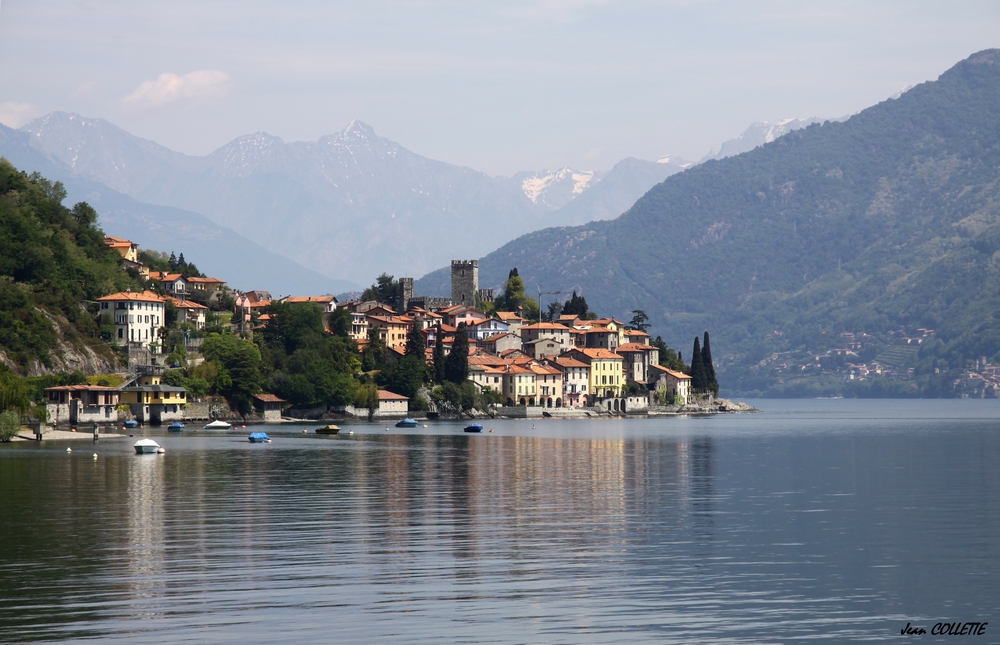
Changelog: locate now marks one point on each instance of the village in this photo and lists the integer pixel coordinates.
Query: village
(572, 365)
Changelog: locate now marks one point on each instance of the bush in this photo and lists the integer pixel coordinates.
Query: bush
(10, 423)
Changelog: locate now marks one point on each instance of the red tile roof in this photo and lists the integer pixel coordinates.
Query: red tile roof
(386, 395)
(144, 296)
(269, 398)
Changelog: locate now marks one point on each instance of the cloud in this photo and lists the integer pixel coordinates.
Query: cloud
(14, 115)
(171, 87)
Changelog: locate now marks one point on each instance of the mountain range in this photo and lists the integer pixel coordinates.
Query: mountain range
(886, 220)
(350, 205)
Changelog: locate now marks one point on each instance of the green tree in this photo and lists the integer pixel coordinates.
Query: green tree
(406, 376)
(439, 357)
(240, 362)
(15, 395)
(415, 342)
(366, 397)
(711, 382)
(384, 290)
(456, 365)
(10, 423)
(639, 320)
(698, 377)
(575, 306)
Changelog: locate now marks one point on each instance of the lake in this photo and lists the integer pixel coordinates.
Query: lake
(836, 521)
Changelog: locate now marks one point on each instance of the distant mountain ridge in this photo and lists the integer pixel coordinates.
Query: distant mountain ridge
(351, 204)
(889, 219)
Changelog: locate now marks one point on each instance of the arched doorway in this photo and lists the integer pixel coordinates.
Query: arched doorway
(609, 406)
(510, 402)
(523, 402)
(558, 403)
(623, 406)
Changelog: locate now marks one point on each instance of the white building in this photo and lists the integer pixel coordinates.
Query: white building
(137, 317)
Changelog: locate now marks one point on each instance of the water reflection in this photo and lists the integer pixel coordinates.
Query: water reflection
(696, 537)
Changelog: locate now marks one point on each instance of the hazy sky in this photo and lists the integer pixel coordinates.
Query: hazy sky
(498, 86)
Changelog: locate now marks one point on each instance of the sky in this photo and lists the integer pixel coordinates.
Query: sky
(500, 87)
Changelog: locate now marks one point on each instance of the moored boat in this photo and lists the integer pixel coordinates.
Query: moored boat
(259, 437)
(175, 426)
(407, 423)
(218, 425)
(131, 423)
(146, 447)
(330, 429)
(473, 427)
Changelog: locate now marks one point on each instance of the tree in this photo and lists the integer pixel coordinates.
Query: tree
(84, 214)
(698, 378)
(10, 423)
(240, 363)
(173, 261)
(456, 365)
(415, 342)
(384, 290)
(668, 357)
(514, 297)
(366, 397)
(14, 394)
(406, 377)
(439, 357)
(711, 383)
(375, 353)
(575, 306)
(639, 320)
(554, 310)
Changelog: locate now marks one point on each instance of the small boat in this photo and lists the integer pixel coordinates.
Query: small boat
(259, 437)
(175, 426)
(407, 423)
(330, 429)
(473, 427)
(146, 447)
(218, 425)
(131, 423)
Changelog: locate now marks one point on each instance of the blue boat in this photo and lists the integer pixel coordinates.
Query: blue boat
(259, 437)
(473, 427)
(407, 423)
(176, 426)
(131, 423)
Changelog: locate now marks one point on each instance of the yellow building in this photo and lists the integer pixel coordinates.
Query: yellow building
(153, 402)
(606, 375)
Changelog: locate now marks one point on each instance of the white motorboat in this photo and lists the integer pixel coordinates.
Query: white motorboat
(146, 447)
(218, 425)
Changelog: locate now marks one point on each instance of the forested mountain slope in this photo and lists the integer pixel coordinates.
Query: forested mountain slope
(885, 220)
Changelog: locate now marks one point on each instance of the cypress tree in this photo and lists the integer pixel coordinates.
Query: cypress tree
(698, 378)
(711, 383)
(439, 355)
(415, 342)
(456, 366)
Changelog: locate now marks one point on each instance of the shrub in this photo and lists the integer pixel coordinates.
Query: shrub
(10, 423)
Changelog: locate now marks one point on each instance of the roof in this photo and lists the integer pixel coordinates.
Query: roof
(543, 340)
(386, 395)
(566, 361)
(163, 276)
(185, 304)
(134, 296)
(598, 353)
(636, 347)
(269, 398)
(154, 388)
(297, 299)
(496, 337)
(82, 388)
(391, 320)
(544, 369)
(206, 280)
(677, 375)
(545, 326)
(507, 316)
(635, 332)
(111, 239)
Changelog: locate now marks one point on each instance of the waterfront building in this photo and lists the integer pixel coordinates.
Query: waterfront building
(77, 404)
(137, 317)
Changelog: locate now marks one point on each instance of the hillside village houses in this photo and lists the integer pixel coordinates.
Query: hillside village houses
(567, 363)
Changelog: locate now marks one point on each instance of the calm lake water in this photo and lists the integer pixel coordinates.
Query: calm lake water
(839, 521)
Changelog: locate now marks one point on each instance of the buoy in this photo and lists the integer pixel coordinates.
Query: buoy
(305, 432)
(161, 451)
(69, 450)
(95, 455)
(244, 427)
(425, 425)
(491, 429)
(72, 429)
(351, 432)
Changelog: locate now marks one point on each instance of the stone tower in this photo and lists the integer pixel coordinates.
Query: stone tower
(464, 282)
(404, 295)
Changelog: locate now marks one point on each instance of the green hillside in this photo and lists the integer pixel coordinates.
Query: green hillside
(52, 258)
(885, 222)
